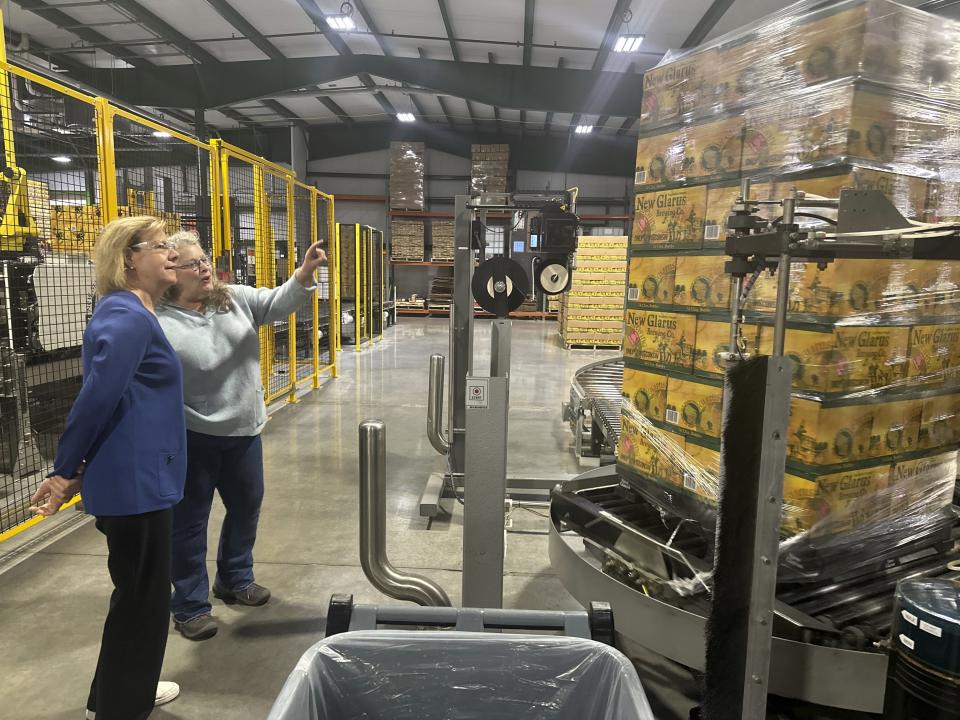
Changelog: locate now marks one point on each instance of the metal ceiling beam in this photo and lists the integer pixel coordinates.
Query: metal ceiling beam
(496, 109)
(234, 115)
(62, 19)
(627, 125)
(512, 86)
(228, 13)
(610, 35)
(39, 50)
(332, 106)
(601, 122)
(320, 22)
(707, 23)
(549, 118)
(165, 30)
(448, 28)
(387, 106)
(285, 112)
(440, 98)
(574, 121)
(528, 10)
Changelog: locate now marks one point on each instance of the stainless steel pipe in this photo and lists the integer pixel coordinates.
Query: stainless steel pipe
(373, 521)
(435, 405)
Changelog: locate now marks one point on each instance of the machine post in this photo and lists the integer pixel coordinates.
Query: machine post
(485, 492)
(500, 348)
(461, 332)
(373, 520)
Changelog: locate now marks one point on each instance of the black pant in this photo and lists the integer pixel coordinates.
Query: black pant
(135, 632)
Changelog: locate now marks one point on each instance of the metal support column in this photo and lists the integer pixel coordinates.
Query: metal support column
(461, 335)
(485, 492)
(500, 348)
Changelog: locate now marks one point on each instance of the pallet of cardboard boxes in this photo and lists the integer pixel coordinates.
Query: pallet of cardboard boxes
(816, 99)
(591, 312)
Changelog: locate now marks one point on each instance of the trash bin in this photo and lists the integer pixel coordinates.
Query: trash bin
(449, 675)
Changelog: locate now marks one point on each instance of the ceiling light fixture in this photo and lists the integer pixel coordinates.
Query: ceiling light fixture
(161, 134)
(341, 22)
(583, 129)
(405, 117)
(628, 43)
(60, 159)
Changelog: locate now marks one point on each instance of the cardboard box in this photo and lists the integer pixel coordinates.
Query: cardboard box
(669, 218)
(713, 339)
(701, 473)
(896, 428)
(939, 421)
(660, 157)
(694, 406)
(714, 149)
(824, 435)
(923, 486)
(651, 280)
(798, 504)
(674, 89)
(646, 391)
(934, 355)
(851, 498)
(662, 339)
(701, 282)
(846, 359)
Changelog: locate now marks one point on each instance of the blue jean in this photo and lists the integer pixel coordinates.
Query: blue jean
(233, 466)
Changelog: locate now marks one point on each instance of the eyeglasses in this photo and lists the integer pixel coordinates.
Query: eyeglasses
(195, 265)
(155, 245)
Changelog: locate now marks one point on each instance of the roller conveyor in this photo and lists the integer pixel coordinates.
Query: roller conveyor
(594, 408)
(606, 540)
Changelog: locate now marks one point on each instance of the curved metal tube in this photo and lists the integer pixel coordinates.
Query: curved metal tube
(373, 520)
(435, 405)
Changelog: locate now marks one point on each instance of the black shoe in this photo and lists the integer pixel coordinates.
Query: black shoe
(201, 627)
(252, 595)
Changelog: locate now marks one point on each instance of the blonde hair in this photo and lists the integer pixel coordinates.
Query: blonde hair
(219, 297)
(110, 252)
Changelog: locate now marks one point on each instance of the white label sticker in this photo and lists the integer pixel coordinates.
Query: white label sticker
(906, 642)
(934, 630)
(673, 416)
(477, 393)
(909, 617)
(711, 232)
(633, 294)
(641, 177)
(689, 482)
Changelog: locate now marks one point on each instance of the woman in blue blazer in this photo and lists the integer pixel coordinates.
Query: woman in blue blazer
(124, 449)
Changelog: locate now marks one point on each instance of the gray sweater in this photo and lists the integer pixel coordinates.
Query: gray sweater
(220, 352)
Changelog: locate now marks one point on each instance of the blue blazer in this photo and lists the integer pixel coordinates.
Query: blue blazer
(127, 422)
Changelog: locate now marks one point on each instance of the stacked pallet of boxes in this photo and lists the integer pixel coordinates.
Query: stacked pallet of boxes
(817, 100)
(591, 313)
(406, 240)
(38, 204)
(74, 228)
(488, 168)
(407, 175)
(443, 242)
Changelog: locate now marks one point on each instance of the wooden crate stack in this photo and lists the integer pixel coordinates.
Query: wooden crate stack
(591, 313)
(488, 168)
(406, 240)
(443, 241)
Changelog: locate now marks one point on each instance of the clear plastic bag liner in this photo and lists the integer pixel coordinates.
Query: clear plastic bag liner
(407, 169)
(409, 675)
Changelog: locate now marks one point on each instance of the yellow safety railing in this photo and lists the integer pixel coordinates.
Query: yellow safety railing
(72, 162)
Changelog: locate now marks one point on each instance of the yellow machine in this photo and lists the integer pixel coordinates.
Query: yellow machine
(18, 233)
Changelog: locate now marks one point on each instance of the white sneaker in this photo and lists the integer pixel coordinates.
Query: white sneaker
(166, 692)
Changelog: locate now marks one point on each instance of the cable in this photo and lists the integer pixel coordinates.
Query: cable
(807, 215)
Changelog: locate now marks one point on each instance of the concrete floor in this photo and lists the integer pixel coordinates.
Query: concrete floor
(54, 598)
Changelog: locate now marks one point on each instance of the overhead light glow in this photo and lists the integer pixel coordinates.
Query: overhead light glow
(27, 118)
(405, 117)
(341, 22)
(583, 129)
(628, 43)
(60, 159)
(161, 134)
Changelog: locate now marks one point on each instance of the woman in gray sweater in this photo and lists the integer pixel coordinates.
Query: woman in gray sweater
(214, 329)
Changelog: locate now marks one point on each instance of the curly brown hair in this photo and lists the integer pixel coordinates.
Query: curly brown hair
(219, 298)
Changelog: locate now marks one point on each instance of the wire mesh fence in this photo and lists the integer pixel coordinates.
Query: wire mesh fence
(328, 281)
(49, 198)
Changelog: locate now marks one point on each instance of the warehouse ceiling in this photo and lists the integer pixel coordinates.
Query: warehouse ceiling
(498, 66)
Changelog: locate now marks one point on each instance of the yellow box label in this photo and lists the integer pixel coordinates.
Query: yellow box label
(896, 428)
(934, 354)
(701, 474)
(660, 338)
(651, 280)
(694, 406)
(701, 281)
(940, 421)
(669, 218)
(660, 157)
(646, 391)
